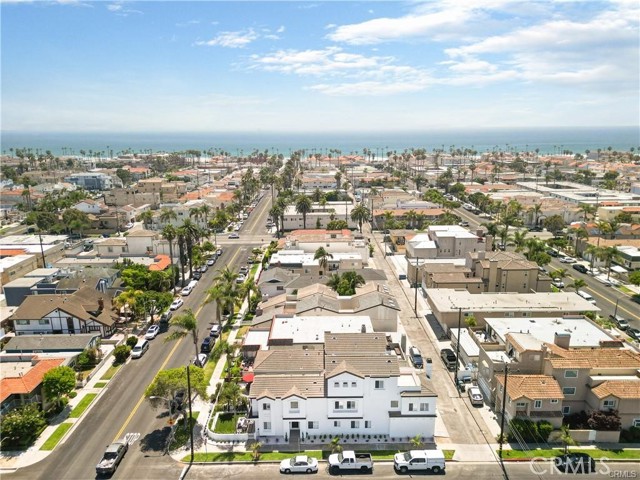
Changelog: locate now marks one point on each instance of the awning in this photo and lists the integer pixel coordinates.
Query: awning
(618, 269)
(248, 377)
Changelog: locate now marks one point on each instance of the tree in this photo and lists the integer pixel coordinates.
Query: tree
(337, 225)
(323, 259)
(554, 223)
(21, 424)
(303, 207)
(169, 233)
(124, 175)
(335, 446)
(416, 441)
(609, 255)
(146, 217)
(360, 214)
(120, 354)
(186, 324)
(169, 382)
(566, 438)
(634, 277)
(231, 396)
(58, 382)
(255, 450)
(578, 283)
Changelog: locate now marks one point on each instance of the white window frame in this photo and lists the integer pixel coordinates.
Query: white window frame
(266, 426)
(537, 404)
(367, 423)
(379, 385)
(566, 410)
(395, 404)
(554, 400)
(336, 423)
(336, 384)
(266, 406)
(613, 404)
(571, 374)
(424, 407)
(294, 406)
(313, 425)
(354, 384)
(355, 424)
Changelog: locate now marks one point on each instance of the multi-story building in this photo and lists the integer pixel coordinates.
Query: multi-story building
(354, 385)
(91, 180)
(507, 272)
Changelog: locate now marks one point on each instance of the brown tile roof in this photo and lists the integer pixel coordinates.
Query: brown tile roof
(162, 262)
(344, 343)
(280, 386)
(29, 381)
(288, 361)
(367, 365)
(533, 387)
(593, 358)
(618, 388)
(344, 367)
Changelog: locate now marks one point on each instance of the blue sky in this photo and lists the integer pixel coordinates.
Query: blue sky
(317, 66)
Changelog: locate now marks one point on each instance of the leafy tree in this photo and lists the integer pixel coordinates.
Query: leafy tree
(186, 324)
(337, 225)
(554, 223)
(132, 341)
(634, 277)
(231, 396)
(168, 382)
(87, 358)
(120, 354)
(21, 424)
(58, 382)
(604, 421)
(124, 175)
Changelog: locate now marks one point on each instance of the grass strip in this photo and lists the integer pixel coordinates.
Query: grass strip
(248, 457)
(617, 454)
(56, 436)
(111, 372)
(82, 405)
(99, 384)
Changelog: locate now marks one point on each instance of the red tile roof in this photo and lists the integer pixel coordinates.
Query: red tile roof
(29, 381)
(11, 252)
(162, 262)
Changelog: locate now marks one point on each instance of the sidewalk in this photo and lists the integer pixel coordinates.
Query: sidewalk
(10, 461)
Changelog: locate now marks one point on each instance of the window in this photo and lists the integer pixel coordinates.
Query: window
(110, 249)
(22, 322)
(367, 423)
(351, 405)
(267, 425)
(394, 403)
(537, 404)
(294, 406)
(520, 405)
(313, 425)
(569, 390)
(337, 406)
(336, 384)
(345, 384)
(44, 321)
(411, 407)
(566, 410)
(636, 422)
(424, 407)
(570, 374)
(355, 424)
(354, 384)
(609, 404)
(336, 423)
(379, 385)
(554, 400)
(266, 406)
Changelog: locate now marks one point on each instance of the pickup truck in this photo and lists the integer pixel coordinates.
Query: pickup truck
(112, 457)
(350, 460)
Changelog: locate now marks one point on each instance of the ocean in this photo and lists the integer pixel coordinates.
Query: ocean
(546, 140)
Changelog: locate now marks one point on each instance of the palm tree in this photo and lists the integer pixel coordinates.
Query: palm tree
(248, 288)
(519, 239)
(360, 214)
(609, 255)
(167, 215)
(536, 209)
(186, 324)
(146, 217)
(353, 279)
(578, 283)
(303, 206)
(169, 233)
(587, 210)
(334, 281)
(323, 256)
(593, 252)
(255, 450)
(128, 300)
(335, 446)
(566, 437)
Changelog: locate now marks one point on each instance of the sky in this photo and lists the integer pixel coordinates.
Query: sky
(306, 66)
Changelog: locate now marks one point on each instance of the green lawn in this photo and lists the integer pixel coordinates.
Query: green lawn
(626, 290)
(248, 457)
(56, 436)
(99, 384)
(82, 405)
(594, 452)
(182, 436)
(226, 423)
(111, 372)
(448, 454)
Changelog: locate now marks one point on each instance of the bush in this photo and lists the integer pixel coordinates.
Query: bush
(73, 394)
(19, 426)
(87, 358)
(132, 341)
(544, 429)
(529, 431)
(630, 436)
(604, 421)
(121, 353)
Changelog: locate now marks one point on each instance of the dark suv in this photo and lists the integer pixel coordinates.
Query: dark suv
(449, 358)
(206, 344)
(579, 267)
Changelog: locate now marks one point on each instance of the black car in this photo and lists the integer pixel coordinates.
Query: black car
(206, 344)
(575, 463)
(579, 267)
(449, 358)
(634, 333)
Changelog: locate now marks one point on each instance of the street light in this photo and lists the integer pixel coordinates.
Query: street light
(415, 282)
(504, 409)
(455, 377)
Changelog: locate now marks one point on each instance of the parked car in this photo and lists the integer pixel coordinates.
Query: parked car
(204, 268)
(244, 269)
(218, 252)
(165, 317)
(112, 457)
(206, 344)
(240, 278)
(416, 357)
(475, 396)
(634, 333)
(419, 460)
(152, 332)
(215, 331)
(299, 464)
(176, 304)
(567, 260)
(449, 358)
(200, 360)
(575, 463)
(579, 267)
(621, 322)
(197, 275)
(558, 283)
(211, 262)
(234, 235)
(350, 461)
(140, 349)
(464, 223)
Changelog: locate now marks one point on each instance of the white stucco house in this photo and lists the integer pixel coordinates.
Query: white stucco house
(354, 385)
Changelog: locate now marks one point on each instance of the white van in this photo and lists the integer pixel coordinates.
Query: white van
(141, 347)
(430, 460)
(586, 296)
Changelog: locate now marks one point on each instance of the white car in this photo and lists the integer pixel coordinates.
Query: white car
(240, 278)
(567, 260)
(475, 396)
(558, 283)
(128, 225)
(211, 262)
(299, 464)
(177, 303)
(152, 332)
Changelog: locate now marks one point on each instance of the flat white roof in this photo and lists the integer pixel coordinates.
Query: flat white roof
(20, 241)
(312, 329)
(257, 337)
(8, 262)
(583, 332)
(467, 343)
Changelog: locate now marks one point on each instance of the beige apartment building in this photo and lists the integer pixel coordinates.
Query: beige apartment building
(507, 272)
(537, 397)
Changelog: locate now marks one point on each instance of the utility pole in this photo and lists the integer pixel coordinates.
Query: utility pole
(504, 410)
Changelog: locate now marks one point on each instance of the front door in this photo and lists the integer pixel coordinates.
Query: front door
(70, 325)
(295, 425)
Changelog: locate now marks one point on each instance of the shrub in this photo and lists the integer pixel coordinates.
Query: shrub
(132, 341)
(632, 435)
(544, 429)
(20, 425)
(87, 358)
(528, 431)
(73, 394)
(604, 421)
(121, 353)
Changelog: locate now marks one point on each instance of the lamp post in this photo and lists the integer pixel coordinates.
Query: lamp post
(415, 281)
(455, 377)
(189, 426)
(616, 309)
(504, 410)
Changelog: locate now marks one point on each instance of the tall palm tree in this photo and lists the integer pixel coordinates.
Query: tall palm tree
(303, 206)
(169, 233)
(578, 283)
(536, 209)
(167, 215)
(593, 252)
(519, 239)
(609, 255)
(186, 324)
(323, 256)
(248, 288)
(146, 217)
(360, 214)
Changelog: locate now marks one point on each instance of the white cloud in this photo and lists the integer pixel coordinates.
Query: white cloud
(188, 23)
(121, 10)
(280, 29)
(231, 39)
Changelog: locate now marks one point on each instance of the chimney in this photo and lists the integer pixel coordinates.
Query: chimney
(363, 328)
(100, 304)
(493, 275)
(562, 339)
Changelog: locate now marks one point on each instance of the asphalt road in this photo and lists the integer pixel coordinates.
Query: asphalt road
(121, 409)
